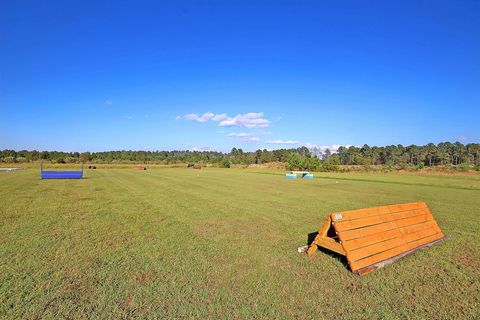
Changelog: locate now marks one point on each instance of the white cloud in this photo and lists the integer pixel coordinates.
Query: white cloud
(201, 149)
(245, 136)
(219, 117)
(333, 148)
(240, 134)
(249, 120)
(108, 102)
(282, 142)
(128, 117)
(203, 118)
(248, 136)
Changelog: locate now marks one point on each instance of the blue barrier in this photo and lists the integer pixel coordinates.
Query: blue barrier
(60, 174)
(308, 176)
(291, 176)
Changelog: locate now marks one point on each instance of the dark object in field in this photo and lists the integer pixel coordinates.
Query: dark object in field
(92, 167)
(194, 165)
(60, 174)
(141, 168)
(374, 237)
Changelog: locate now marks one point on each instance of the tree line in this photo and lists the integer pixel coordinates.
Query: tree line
(399, 156)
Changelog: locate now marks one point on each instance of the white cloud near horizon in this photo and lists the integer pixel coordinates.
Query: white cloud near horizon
(283, 142)
(245, 136)
(201, 149)
(250, 120)
(333, 148)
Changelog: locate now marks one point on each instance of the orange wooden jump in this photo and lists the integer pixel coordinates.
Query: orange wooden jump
(373, 237)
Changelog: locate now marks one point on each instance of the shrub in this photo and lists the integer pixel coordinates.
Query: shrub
(329, 166)
(225, 163)
(9, 159)
(294, 162)
(463, 167)
(389, 166)
(477, 167)
(420, 166)
(70, 160)
(367, 167)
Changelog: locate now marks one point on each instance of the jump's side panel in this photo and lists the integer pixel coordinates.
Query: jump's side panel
(369, 236)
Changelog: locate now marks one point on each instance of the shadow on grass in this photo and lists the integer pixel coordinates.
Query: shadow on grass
(334, 255)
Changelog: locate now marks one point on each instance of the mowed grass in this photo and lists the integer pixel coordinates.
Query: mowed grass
(221, 243)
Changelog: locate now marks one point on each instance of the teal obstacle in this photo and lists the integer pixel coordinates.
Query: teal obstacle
(303, 174)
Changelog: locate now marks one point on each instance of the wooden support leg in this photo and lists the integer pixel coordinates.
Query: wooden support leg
(311, 250)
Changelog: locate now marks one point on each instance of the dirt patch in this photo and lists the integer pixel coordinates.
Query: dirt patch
(464, 260)
(144, 278)
(126, 303)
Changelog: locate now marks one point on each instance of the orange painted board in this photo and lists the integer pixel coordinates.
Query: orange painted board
(365, 222)
(363, 213)
(355, 265)
(379, 247)
(366, 231)
(388, 234)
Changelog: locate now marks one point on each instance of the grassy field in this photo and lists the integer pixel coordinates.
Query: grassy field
(221, 243)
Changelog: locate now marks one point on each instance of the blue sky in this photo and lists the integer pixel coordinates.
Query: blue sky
(99, 75)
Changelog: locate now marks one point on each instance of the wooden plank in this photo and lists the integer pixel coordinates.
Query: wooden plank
(388, 234)
(366, 231)
(365, 222)
(383, 263)
(379, 247)
(363, 213)
(331, 245)
(311, 250)
(321, 233)
(355, 265)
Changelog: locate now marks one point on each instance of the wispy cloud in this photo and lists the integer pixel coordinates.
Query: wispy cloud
(202, 118)
(251, 120)
(248, 136)
(219, 117)
(462, 138)
(283, 142)
(201, 149)
(128, 117)
(245, 136)
(108, 102)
